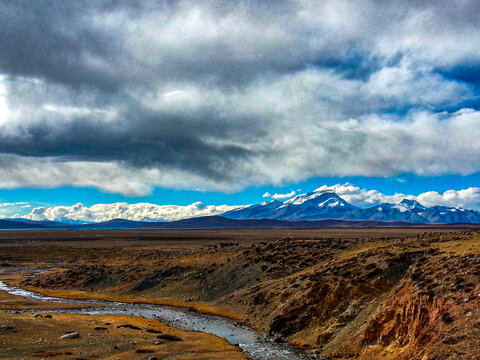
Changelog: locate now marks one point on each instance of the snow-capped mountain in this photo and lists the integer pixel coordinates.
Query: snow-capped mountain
(408, 204)
(311, 206)
(387, 212)
(328, 205)
(256, 211)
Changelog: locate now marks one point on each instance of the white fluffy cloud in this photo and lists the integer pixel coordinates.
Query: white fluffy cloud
(279, 196)
(140, 211)
(466, 198)
(7, 209)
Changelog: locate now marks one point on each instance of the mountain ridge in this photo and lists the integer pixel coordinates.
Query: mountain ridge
(329, 205)
(218, 222)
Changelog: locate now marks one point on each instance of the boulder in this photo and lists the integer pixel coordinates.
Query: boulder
(169, 337)
(70, 335)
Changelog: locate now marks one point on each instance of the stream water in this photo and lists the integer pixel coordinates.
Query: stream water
(253, 343)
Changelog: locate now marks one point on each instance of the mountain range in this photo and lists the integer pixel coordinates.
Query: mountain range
(312, 210)
(329, 205)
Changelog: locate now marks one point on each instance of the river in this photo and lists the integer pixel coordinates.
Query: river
(252, 343)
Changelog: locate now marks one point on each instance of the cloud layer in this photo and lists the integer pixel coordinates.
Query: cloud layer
(140, 211)
(279, 196)
(466, 198)
(223, 95)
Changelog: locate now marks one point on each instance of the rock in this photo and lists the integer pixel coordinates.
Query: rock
(153, 331)
(70, 335)
(169, 337)
(100, 328)
(447, 318)
(143, 351)
(129, 326)
(7, 328)
(278, 339)
(153, 358)
(48, 316)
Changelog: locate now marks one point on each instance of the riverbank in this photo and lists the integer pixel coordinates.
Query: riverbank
(29, 335)
(202, 308)
(252, 343)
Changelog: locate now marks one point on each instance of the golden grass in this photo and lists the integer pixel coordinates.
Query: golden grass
(13, 302)
(201, 307)
(38, 337)
(460, 247)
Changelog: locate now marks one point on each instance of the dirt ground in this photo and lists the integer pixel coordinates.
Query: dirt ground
(389, 293)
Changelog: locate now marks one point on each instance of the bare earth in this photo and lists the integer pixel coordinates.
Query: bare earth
(346, 294)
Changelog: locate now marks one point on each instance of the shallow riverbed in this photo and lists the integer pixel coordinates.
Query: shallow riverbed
(254, 344)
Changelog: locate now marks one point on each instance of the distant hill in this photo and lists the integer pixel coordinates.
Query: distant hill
(114, 224)
(19, 225)
(220, 222)
(206, 222)
(43, 223)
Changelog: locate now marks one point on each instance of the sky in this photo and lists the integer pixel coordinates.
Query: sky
(118, 108)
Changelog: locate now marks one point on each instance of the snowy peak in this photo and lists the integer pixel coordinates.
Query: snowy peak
(302, 198)
(266, 203)
(410, 204)
(320, 199)
(310, 206)
(331, 202)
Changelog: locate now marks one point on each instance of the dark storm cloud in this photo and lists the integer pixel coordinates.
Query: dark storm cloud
(46, 39)
(70, 43)
(140, 139)
(236, 93)
(64, 42)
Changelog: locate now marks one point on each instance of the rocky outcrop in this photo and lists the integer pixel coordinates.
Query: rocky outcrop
(409, 320)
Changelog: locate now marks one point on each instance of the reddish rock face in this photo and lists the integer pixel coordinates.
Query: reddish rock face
(410, 319)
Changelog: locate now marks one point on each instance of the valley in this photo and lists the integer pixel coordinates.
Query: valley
(391, 293)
